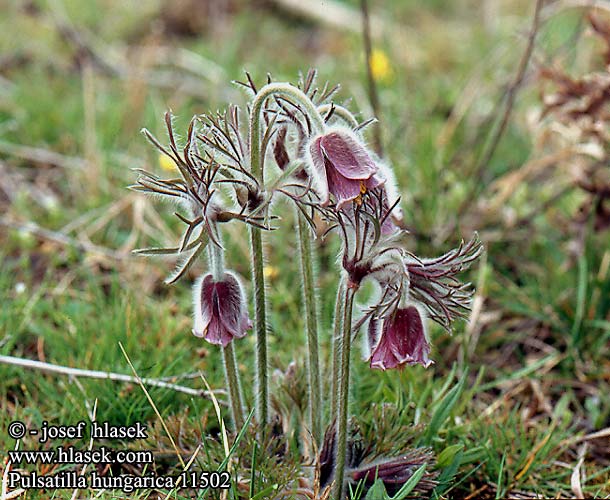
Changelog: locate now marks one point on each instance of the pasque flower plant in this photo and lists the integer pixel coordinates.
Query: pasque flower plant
(328, 173)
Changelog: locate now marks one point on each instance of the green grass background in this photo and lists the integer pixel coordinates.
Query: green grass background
(537, 360)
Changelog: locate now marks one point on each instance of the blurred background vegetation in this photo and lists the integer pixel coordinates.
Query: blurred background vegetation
(472, 111)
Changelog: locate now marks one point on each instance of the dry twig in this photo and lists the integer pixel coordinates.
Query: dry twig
(332, 13)
(41, 155)
(62, 239)
(512, 91)
(100, 375)
(511, 94)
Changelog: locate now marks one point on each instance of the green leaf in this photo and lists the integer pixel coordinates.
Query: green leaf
(377, 491)
(443, 409)
(155, 251)
(410, 484)
(446, 457)
(448, 473)
(253, 469)
(264, 493)
(238, 439)
(499, 491)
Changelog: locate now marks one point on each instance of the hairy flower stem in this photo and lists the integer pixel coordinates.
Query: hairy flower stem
(260, 327)
(289, 92)
(340, 112)
(237, 409)
(311, 325)
(217, 261)
(343, 393)
(336, 361)
(216, 258)
(256, 168)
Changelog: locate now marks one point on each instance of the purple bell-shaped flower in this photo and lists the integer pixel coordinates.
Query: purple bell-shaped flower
(220, 310)
(342, 167)
(399, 340)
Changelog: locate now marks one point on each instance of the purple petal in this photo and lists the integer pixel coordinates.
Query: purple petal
(382, 357)
(374, 181)
(220, 311)
(388, 227)
(347, 155)
(228, 294)
(403, 341)
(216, 334)
(343, 189)
(410, 344)
(373, 334)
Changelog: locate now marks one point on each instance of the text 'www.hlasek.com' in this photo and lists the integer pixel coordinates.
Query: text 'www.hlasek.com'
(56, 460)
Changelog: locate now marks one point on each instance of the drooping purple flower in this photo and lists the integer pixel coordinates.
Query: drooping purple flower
(400, 340)
(342, 167)
(220, 310)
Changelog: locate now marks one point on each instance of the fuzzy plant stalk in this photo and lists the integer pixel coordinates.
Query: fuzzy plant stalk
(257, 158)
(342, 394)
(260, 327)
(232, 374)
(336, 348)
(216, 260)
(311, 325)
(340, 112)
(346, 116)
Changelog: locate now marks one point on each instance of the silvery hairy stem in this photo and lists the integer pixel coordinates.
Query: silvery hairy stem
(311, 326)
(342, 394)
(340, 112)
(336, 348)
(257, 169)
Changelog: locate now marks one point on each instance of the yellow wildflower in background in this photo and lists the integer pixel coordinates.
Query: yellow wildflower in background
(271, 272)
(166, 163)
(380, 66)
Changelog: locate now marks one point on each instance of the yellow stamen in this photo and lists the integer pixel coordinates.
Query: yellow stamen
(358, 199)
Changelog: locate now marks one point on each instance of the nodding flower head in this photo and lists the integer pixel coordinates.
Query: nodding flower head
(220, 310)
(342, 167)
(400, 340)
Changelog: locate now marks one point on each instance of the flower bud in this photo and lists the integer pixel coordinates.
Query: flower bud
(396, 471)
(220, 310)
